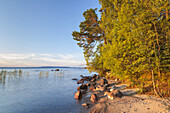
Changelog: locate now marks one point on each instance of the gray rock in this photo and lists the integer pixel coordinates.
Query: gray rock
(117, 93)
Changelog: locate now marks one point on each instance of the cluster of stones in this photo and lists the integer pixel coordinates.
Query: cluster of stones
(94, 83)
(55, 70)
(82, 89)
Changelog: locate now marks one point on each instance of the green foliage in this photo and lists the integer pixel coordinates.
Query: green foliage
(138, 38)
(90, 34)
(134, 40)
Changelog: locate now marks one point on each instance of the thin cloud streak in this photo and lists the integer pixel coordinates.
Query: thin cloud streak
(24, 60)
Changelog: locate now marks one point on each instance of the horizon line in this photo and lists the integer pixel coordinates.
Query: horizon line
(36, 66)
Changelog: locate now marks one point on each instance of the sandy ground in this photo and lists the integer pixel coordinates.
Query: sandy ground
(130, 103)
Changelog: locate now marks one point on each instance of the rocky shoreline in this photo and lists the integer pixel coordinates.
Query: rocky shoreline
(101, 95)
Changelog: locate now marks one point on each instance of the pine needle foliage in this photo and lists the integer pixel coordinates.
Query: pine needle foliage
(133, 39)
(90, 34)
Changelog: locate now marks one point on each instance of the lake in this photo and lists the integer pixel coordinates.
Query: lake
(40, 90)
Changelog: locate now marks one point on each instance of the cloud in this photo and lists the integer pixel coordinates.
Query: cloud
(16, 56)
(7, 60)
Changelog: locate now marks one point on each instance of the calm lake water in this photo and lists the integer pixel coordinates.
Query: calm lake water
(40, 90)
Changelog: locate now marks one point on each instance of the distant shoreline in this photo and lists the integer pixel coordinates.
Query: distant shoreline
(38, 67)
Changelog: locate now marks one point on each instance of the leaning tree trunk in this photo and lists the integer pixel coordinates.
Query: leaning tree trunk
(153, 82)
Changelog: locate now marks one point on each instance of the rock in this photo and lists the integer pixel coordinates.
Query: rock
(83, 91)
(113, 88)
(103, 82)
(90, 78)
(117, 93)
(109, 94)
(94, 76)
(74, 79)
(85, 67)
(82, 86)
(80, 81)
(101, 88)
(93, 83)
(98, 77)
(92, 88)
(93, 98)
(86, 105)
(56, 69)
(78, 88)
(78, 95)
(87, 78)
(52, 70)
(93, 79)
(88, 84)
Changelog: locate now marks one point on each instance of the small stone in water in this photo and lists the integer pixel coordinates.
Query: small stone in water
(86, 105)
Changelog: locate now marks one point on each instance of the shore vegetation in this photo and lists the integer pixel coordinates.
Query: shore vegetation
(131, 42)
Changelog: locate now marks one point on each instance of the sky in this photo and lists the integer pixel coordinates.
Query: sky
(38, 32)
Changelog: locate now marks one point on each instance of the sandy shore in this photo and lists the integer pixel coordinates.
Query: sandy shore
(129, 103)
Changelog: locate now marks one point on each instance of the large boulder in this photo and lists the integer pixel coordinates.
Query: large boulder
(101, 88)
(92, 88)
(103, 82)
(82, 86)
(78, 95)
(113, 88)
(87, 78)
(93, 98)
(83, 91)
(117, 93)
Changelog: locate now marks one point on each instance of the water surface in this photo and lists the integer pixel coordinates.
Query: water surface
(40, 90)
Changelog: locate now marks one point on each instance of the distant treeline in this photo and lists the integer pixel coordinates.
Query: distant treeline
(131, 41)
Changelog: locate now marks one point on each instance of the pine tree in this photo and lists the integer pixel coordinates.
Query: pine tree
(90, 35)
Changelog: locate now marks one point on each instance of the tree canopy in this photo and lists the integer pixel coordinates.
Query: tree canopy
(90, 34)
(133, 42)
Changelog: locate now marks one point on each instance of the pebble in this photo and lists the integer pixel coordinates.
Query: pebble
(135, 109)
(144, 103)
(86, 105)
